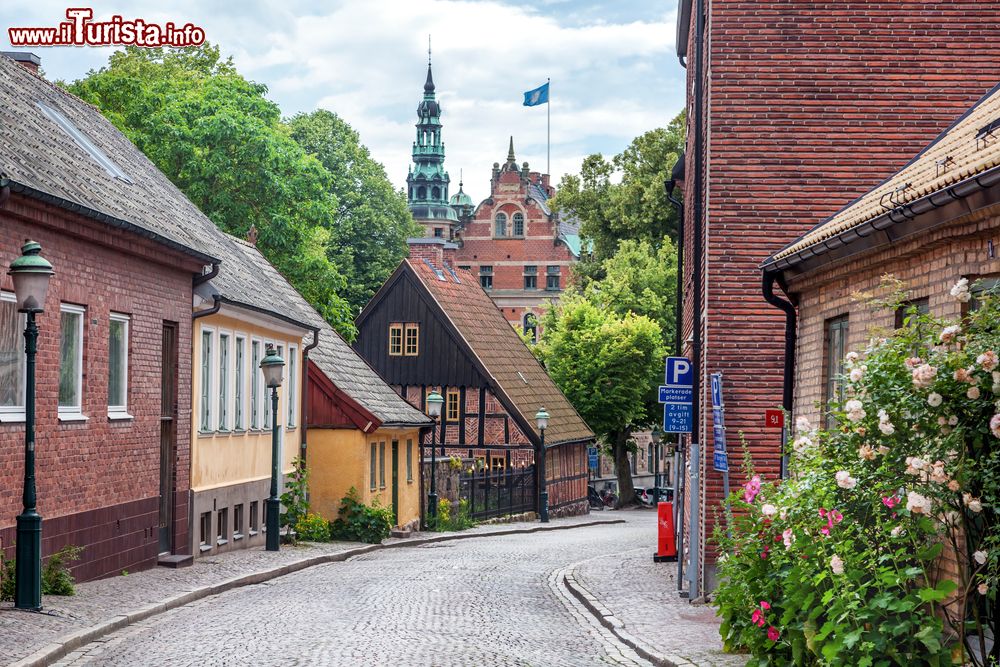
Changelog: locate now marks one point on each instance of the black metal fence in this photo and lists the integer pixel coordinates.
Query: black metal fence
(498, 491)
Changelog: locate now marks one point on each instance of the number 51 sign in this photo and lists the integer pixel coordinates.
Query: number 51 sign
(774, 419)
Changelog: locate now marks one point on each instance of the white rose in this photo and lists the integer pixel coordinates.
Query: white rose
(934, 399)
(845, 481)
(980, 557)
(897, 531)
(768, 510)
(887, 428)
(983, 588)
(857, 374)
(973, 393)
(802, 424)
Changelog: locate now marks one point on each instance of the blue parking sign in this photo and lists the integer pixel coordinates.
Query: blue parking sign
(677, 395)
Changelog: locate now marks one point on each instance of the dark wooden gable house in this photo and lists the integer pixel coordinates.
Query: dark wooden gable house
(432, 327)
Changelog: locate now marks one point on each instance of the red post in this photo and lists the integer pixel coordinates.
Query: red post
(666, 551)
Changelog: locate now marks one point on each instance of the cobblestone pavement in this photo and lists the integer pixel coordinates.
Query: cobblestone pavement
(491, 601)
(642, 595)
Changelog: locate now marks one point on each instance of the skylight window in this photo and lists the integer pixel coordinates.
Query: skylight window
(83, 142)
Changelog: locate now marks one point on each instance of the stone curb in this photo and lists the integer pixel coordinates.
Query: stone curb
(606, 618)
(70, 642)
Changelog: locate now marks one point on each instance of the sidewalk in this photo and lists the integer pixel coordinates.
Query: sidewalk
(103, 606)
(637, 599)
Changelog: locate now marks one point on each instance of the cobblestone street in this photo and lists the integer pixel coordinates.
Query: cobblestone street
(491, 601)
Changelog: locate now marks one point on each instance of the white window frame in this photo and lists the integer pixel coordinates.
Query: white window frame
(15, 413)
(267, 394)
(291, 394)
(206, 398)
(223, 388)
(74, 412)
(120, 411)
(240, 382)
(256, 384)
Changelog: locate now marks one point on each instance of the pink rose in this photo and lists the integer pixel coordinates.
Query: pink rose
(772, 633)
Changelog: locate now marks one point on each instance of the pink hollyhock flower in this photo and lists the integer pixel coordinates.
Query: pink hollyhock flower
(751, 489)
(890, 501)
(822, 513)
(757, 617)
(825, 530)
(837, 564)
(772, 633)
(788, 537)
(765, 605)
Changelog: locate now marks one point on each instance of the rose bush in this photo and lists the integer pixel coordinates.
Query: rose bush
(881, 547)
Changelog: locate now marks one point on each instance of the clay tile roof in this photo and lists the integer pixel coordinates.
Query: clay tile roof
(502, 352)
(966, 149)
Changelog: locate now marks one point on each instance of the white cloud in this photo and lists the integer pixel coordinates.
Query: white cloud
(614, 76)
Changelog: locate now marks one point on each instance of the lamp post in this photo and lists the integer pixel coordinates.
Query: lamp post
(542, 420)
(30, 273)
(272, 366)
(434, 403)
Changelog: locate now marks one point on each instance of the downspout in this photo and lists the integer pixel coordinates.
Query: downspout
(216, 305)
(303, 392)
(699, 197)
(205, 277)
(788, 379)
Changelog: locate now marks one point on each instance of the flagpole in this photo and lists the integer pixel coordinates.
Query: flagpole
(548, 130)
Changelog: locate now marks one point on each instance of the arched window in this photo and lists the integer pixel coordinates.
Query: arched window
(501, 224)
(421, 192)
(531, 326)
(518, 224)
(436, 192)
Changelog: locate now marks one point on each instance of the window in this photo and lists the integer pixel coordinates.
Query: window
(438, 233)
(371, 467)
(421, 192)
(254, 517)
(500, 224)
(452, 408)
(223, 382)
(83, 142)
(531, 277)
(239, 380)
(255, 381)
(263, 523)
(292, 380)
(497, 463)
(381, 464)
(486, 277)
(12, 369)
(205, 528)
(118, 366)
(238, 522)
(836, 348)
(979, 288)
(409, 460)
(71, 360)
(222, 524)
(531, 326)
(922, 306)
(412, 345)
(206, 381)
(518, 224)
(435, 191)
(395, 340)
(552, 278)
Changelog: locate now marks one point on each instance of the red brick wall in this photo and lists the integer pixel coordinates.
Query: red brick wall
(84, 467)
(809, 105)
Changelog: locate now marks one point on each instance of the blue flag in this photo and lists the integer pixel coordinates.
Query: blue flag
(537, 96)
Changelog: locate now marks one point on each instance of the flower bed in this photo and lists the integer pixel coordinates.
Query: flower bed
(881, 548)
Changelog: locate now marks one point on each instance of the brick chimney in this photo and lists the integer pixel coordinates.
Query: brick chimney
(439, 252)
(25, 59)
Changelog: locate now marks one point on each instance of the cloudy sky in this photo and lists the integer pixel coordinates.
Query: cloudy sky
(611, 62)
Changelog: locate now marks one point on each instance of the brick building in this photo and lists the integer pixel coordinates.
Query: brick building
(806, 105)
(432, 327)
(520, 249)
(113, 451)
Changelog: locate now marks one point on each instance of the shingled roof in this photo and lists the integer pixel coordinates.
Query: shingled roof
(56, 147)
(957, 160)
(520, 380)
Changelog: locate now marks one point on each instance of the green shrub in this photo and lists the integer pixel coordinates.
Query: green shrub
(452, 517)
(313, 528)
(294, 498)
(357, 522)
(838, 565)
(56, 577)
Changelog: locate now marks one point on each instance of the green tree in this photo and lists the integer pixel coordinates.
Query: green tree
(636, 207)
(606, 363)
(373, 221)
(217, 137)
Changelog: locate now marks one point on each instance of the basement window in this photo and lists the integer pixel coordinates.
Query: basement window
(83, 142)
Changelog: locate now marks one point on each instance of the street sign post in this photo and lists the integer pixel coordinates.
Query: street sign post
(677, 395)
(592, 457)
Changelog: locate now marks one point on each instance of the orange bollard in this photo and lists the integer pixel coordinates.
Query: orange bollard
(666, 547)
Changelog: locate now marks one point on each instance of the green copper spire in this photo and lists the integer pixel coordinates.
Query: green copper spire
(427, 182)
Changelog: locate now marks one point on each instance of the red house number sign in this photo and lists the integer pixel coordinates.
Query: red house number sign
(774, 419)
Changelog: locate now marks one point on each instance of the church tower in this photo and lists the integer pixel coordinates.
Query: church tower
(427, 182)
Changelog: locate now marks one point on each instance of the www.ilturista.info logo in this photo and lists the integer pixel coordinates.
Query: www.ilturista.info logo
(81, 30)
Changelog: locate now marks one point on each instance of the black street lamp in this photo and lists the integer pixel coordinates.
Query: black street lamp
(272, 366)
(30, 273)
(542, 420)
(434, 403)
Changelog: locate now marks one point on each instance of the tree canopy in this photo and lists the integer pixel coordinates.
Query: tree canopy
(223, 143)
